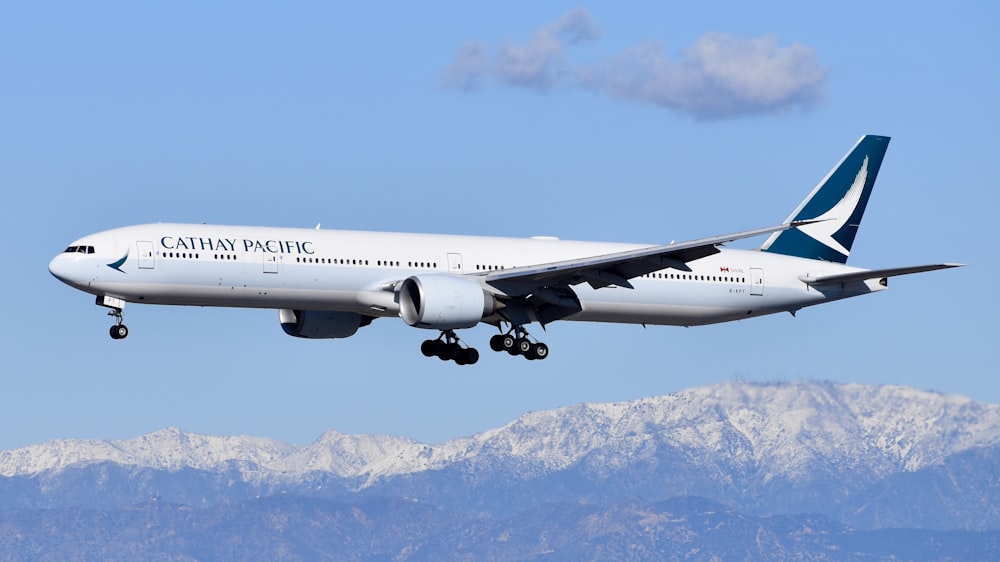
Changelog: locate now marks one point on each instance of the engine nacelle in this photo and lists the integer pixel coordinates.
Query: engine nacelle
(321, 324)
(443, 302)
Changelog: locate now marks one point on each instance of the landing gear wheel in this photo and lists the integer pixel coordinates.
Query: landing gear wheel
(509, 344)
(429, 348)
(119, 332)
(524, 347)
(444, 353)
(470, 356)
(496, 342)
(539, 351)
(452, 352)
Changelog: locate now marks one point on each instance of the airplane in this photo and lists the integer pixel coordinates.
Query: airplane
(327, 284)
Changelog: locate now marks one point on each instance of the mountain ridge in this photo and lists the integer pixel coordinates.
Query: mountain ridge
(787, 429)
(805, 470)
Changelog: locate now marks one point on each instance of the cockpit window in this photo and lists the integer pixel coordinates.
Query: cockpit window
(79, 250)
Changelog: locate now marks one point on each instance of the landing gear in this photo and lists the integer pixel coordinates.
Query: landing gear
(448, 347)
(119, 331)
(517, 342)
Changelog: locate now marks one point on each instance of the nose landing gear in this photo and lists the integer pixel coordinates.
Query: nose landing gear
(119, 330)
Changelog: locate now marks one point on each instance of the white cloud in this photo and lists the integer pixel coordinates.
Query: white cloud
(469, 68)
(719, 76)
(537, 63)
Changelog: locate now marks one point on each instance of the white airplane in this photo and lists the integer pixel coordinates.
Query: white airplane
(330, 283)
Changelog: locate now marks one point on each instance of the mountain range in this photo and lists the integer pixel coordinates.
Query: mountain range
(815, 470)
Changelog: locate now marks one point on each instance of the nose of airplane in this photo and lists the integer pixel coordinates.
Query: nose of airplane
(57, 267)
(65, 268)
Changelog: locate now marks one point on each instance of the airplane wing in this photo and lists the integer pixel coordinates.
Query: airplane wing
(874, 274)
(616, 269)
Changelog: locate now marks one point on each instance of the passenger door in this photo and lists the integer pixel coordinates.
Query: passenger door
(756, 281)
(146, 256)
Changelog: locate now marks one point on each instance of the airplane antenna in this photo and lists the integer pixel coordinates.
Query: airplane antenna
(317, 225)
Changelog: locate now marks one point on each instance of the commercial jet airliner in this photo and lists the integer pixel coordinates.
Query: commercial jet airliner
(330, 283)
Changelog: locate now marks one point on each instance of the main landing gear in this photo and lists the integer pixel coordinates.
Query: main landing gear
(517, 342)
(447, 347)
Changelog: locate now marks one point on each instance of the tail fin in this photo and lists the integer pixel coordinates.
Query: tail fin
(837, 203)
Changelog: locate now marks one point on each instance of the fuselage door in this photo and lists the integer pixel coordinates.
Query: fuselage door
(756, 281)
(455, 263)
(270, 263)
(146, 257)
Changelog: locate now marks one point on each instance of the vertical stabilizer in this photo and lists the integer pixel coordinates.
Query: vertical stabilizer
(837, 204)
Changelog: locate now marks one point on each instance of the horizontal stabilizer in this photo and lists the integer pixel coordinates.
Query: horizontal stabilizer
(867, 274)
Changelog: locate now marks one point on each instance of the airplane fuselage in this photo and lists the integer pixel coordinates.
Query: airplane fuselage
(352, 271)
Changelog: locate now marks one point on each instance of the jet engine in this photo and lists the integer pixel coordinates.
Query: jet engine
(443, 302)
(321, 324)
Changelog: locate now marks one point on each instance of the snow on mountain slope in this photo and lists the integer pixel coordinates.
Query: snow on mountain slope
(167, 449)
(782, 430)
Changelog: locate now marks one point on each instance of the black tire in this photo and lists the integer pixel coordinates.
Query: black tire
(441, 350)
(119, 332)
(428, 348)
(451, 352)
(470, 356)
(496, 343)
(524, 347)
(539, 351)
(510, 344)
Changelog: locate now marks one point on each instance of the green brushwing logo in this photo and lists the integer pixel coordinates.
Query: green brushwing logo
(117, 265)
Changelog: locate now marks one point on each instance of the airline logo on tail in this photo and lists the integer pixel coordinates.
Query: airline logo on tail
(834, 208)
(830, 222)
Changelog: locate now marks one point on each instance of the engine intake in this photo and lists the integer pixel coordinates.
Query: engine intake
(443, 302)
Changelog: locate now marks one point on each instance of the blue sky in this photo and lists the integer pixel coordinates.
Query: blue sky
(595, 122)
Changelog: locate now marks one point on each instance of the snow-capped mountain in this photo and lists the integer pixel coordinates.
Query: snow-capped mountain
(820, 471)
(783, 430)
